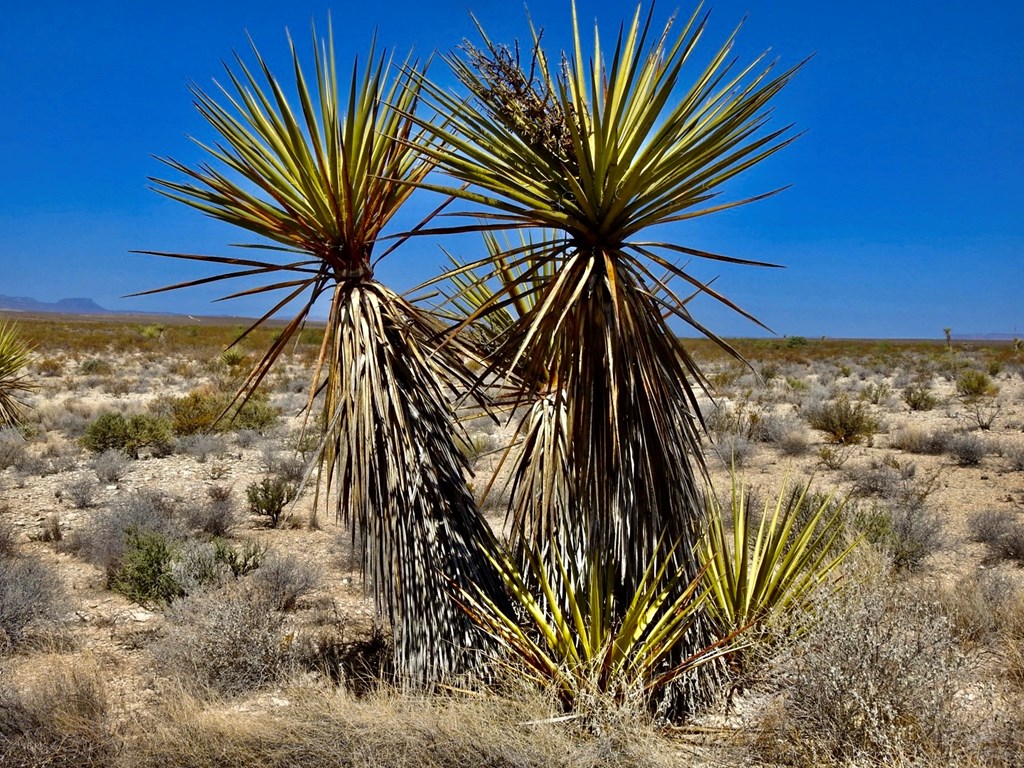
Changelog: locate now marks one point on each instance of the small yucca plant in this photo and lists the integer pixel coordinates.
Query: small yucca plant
(574, 640)
(768, 568)
(14, 357)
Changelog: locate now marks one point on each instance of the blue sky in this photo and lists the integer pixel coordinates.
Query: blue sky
(906, 212)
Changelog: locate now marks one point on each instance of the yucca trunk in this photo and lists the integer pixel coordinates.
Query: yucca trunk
(400, 478)
(622, 415)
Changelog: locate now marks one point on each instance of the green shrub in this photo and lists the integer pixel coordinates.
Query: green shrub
(761, 570)
(843, 422)
(146, 574)
(94, 366)
(240, 561)
(200, 411)
(919, 398)
(112, 431)
(233, 358)
(152, 332)
(269, 497)
(972, 384)
(107, 432)
(194, 413)
(14, 358)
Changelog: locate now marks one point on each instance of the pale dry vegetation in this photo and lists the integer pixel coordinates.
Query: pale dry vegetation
(257, 644)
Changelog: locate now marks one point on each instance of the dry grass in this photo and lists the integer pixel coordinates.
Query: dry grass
(304, 726)
(58, 717)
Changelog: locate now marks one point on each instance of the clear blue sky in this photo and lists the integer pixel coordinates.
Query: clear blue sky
(906, 213)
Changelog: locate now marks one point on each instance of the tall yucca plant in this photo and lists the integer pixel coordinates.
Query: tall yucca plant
(538, 452)
(14, 356)
(321, 182)
(601, 151)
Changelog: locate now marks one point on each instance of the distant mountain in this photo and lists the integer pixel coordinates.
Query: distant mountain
(77, 306)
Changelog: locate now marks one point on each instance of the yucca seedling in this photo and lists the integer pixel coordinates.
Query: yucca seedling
(14, 357)
(768, 568)
(320, 180)
(577, 641)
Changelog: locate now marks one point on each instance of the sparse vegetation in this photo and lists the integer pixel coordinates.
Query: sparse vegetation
(843, 422)
(893, 512)
(269, 497)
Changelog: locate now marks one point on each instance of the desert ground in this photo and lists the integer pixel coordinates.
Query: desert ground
(261, 647)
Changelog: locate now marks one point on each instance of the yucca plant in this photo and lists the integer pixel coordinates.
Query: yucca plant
(14, 357)
(319, 181)
(768, 568)
(601, 151)
(573, 639)
(537, 452)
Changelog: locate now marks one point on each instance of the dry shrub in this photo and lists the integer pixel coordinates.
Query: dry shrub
(103, 541)
(734, 450)
(111, 465)
(80, 493)
(875, 680)
(307, 727)
(7, 533)
(201, 446)
(793, 443)
(1013, 642)
(60, 718)
(216, 516)
(1015, 455)
(231, 641)
(12, 448)
(1001, 531)
(283, 579)
(913, 439)
(967, 449)
(981, 607)
(31, 597)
